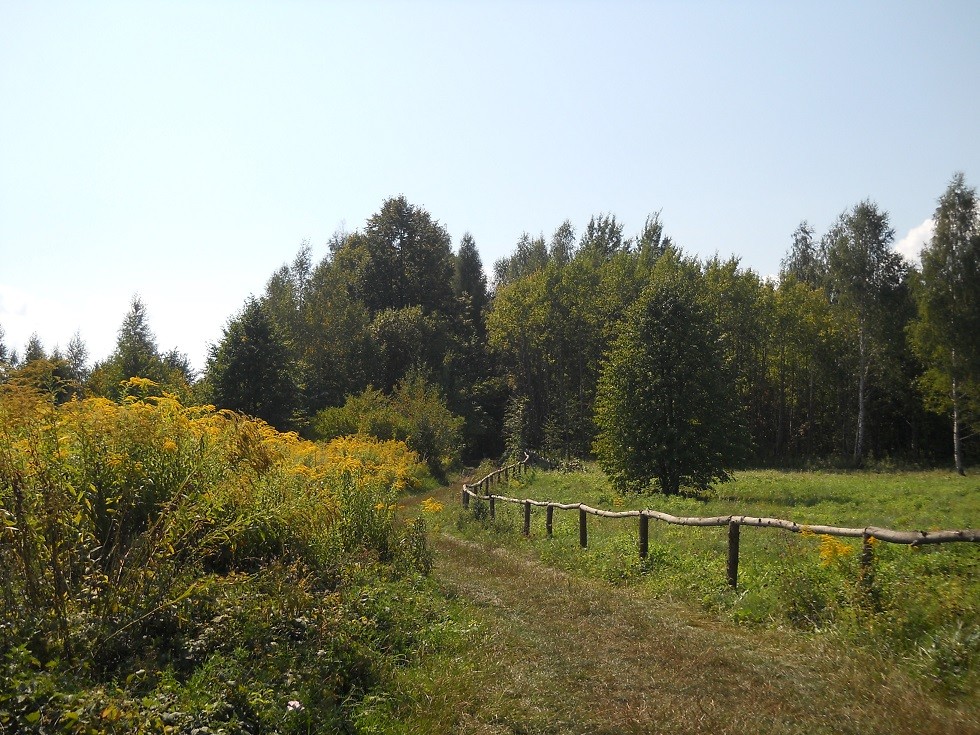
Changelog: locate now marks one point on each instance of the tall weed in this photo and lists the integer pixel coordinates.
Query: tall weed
(147, 535)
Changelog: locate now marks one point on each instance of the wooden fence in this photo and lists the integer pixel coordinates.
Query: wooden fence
(868, 534)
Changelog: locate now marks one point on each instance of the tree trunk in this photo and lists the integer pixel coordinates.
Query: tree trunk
(810, 419)
(957, 447)
(862, 400)
(781, 410)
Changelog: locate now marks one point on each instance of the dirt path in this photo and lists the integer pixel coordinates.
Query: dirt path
(565, 654)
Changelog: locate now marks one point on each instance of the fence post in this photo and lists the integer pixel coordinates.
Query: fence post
(507, 473)
(493, 512)
(867, 562)
(527, 517)
(583, 529)
(466, 497)
(644, 535)
(549, 520)
(733, 554)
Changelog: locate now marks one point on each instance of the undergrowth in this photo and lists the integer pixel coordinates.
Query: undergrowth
(175, 569)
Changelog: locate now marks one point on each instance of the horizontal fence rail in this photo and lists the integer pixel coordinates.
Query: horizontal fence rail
(869, 534)
(483, 483)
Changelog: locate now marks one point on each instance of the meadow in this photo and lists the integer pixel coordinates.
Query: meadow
(919, 607)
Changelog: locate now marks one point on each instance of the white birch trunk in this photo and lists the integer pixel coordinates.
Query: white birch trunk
(957, 446)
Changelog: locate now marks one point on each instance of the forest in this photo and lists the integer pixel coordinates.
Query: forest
(853, 354)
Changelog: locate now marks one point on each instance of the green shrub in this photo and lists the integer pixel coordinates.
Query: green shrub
(415, 413)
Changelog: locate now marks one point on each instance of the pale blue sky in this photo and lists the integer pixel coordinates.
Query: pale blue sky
(185, 150)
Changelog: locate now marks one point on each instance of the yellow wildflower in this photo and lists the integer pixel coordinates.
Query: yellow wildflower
(831, 549)
(431, 505)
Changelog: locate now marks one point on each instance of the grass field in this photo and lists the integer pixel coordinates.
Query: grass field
(545, 637)
(921, 607)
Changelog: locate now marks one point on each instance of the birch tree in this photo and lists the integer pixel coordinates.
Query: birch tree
(863, 274)
(947, 294)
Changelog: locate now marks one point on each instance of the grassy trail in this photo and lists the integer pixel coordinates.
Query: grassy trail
(560, 653)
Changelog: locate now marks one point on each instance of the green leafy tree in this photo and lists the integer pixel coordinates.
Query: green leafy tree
(865, 277)
(743, 309)
(517, 329)
(5, 358)
(250, 369)
(562, 247)
(652, 241)
(434, 431)
(801, 361)
(551, 326)
(369, 412)
(470, 283)
(287, 293)
(530, 256)
(603, 236)
(177, 365)
(805, 262)
(946, 333)
(665, 410)
(324, 324)
(469, 376)
(334, 352)
(403, 258)
(48, 375)
(403, 340)
(579, 308)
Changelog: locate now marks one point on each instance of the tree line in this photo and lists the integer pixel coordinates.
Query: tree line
(852, 353)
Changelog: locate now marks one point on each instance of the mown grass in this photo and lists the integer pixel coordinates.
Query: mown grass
(919, 608)
(562, 652)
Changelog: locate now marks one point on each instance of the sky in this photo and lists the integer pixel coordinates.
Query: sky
(183, 151)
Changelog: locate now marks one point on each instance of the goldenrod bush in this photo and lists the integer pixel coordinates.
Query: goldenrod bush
(125, 527)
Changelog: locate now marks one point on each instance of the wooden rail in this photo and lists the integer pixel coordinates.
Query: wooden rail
(484, 482)
(868, 534)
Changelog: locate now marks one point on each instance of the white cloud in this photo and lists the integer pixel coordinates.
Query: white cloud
(911, 245)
